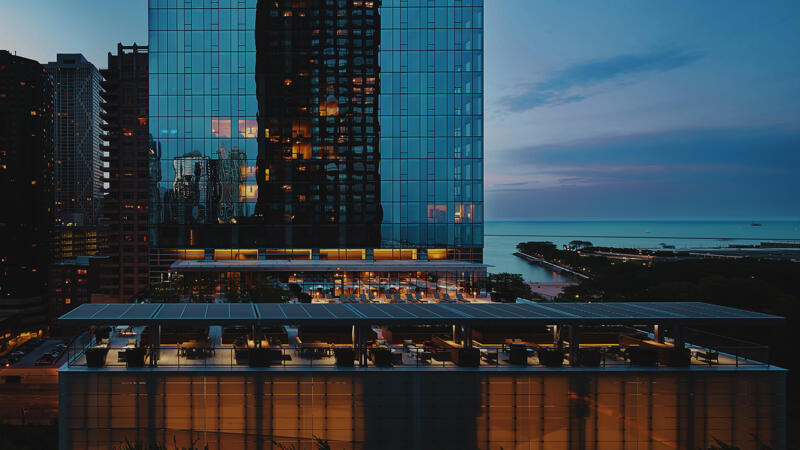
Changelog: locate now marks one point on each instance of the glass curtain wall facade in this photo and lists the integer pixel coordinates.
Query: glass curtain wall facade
(431, 117)
(316, 125)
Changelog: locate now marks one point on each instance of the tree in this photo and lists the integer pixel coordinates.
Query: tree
(507, 287)
(579, 245)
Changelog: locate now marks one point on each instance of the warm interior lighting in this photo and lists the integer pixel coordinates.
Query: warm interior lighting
(437, 213)
(248, 128)
(221, 127)
(437, 253)
(248, 192)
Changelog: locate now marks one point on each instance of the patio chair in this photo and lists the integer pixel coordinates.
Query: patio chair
(436, 296)
(363, 298)
(419, 295)
(410, 298)
(397, 297)
(460, 297)
(371, 297)
(446, 297)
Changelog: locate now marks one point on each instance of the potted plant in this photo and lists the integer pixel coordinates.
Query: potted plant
(467, 357)
(676, 357)
(381, 356)
(134, 357)
(643, 356)
(96, 356)
(518, 354)
(551, 357)
(345, 357)
(589, 357)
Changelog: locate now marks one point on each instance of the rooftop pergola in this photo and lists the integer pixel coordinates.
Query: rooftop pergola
(533, 314)
(361, 316)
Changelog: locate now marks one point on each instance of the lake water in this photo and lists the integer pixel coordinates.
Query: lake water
(502, 237)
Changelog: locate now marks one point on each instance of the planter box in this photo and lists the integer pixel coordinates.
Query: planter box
(518, 354)
(551, 358)
(134, 357)
(96, 357)
(643, 356)
(264, 357)
(345, 357)
(589, 358)
(675, 357)
(382, 357)
(466, 357)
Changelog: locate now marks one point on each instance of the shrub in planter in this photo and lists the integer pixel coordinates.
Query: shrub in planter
(241, 355)
(263, 357)
(382, 357)
(551, 358)
(588, 357)
(101, 333)
(518, 354)
(467, 357)
(643, 356)
(345, 357)
(96, 356)
(676, 357)
(134, 357)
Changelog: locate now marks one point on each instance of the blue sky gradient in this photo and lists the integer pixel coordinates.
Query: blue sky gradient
(594, 110)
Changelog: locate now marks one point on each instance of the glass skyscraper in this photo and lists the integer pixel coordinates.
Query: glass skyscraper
(316, 129)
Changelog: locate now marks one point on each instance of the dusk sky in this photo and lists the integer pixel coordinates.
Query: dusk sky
(594, 110)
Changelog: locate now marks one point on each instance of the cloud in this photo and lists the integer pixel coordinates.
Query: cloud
(679, 173)
(561, 86)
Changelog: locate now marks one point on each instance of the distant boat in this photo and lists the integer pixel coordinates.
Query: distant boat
(755, 224)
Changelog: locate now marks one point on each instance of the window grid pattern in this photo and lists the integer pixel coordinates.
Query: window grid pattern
(204, 109)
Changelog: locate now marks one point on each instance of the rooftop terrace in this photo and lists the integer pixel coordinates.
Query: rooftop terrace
(529, 336)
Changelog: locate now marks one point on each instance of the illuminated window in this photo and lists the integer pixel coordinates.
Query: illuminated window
(330, 107)
(437, 213)
(437, 253)
(248, 128)
(67, 301)
(266, 174)
(248, 192)
(301, 151)
(464, 213)
(221, 127)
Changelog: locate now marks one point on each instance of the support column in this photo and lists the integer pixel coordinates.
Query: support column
(155, 344)
(658, 334)
(557, 337)
(680, 338)
(467, 336)
(574, 344)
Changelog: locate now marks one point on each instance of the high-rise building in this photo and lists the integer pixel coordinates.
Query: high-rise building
(78, 170)
(26, 177)
(124, 206)
(356, 128)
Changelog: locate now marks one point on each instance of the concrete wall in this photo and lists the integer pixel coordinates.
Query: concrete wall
(424, 409)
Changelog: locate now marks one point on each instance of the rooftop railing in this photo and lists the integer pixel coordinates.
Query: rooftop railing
(513, 355)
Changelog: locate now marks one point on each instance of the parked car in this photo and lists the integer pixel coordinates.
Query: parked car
(45, 360)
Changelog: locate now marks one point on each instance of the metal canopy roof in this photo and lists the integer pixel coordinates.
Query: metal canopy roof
(270, 314)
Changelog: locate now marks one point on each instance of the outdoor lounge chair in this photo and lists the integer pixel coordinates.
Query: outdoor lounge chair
(446, 297)
(410, 298)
